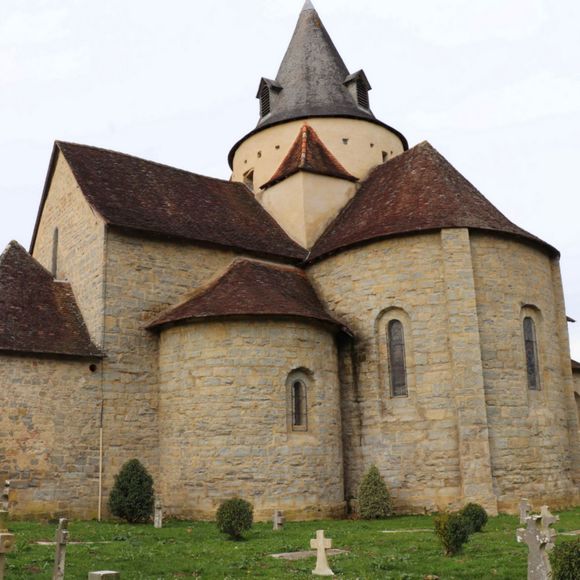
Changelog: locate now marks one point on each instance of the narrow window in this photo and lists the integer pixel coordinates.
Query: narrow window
(385, 155)
(531, 354)
(298, 405)
(249, 179)
(264, 101)
(54, 252)
(362, 94)
(396, 347)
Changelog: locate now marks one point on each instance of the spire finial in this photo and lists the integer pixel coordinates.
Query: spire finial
(307, 6)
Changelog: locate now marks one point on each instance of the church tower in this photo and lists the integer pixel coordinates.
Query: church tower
(316, 137)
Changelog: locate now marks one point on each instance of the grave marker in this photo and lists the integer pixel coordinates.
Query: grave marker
(321, 544)
(6, 496)
(278, 520)
(525, 509)
(540, 540)
(104, 575)
(60, 555)
(158, 518)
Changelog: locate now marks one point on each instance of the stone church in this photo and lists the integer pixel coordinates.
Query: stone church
(342, 301)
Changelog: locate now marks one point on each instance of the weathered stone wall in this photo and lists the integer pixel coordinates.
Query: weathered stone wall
(143, 277)
(49, 436)
(469, 429)
(533, 433)
(413, 440)
(81, 238)
(225, 428)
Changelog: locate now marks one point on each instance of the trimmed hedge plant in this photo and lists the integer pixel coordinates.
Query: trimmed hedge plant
(235, 516)
(565, 560)
(374, 499)
(132, 497)
(453, 531)
(475, 515)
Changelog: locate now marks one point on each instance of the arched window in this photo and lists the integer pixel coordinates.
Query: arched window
(396, 350)
(249, 179)
(264, 100)
(54, 265)
(531, 348)
(299, 411)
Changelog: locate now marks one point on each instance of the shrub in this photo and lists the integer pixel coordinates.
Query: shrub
(132, 496)
(453, 531)
(565, 560)
(235, 516)
(373, 497)
(475, 515)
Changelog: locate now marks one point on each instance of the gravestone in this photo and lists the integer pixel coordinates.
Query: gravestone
(60, 555)
(278, 520)
(158, 518)
(540, 540)
(104, 575)
(525, 509)
(321, 544)
(6, 496)
(6, 538)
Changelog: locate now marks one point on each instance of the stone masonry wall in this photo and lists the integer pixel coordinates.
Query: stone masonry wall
(225, 428)
(531, 431)
(413, 440)
(81, 238)
(143, 277)
(50, 436)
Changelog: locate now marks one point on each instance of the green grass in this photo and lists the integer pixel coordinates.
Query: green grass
(198, 550)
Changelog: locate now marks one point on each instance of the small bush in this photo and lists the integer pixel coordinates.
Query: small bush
(453, 531)
(475, 515)
(235, 516)
(565, 560)
(373, 497)
(132, 496)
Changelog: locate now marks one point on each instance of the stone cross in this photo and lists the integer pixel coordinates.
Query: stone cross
(104, 575)
(61, 542)
(158, 519)
(321, 544)
(525, 509)
(6, 495)
(278, 520)
(540, 540)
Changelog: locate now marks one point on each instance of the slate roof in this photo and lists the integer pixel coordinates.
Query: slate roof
(416, 191)
(252, 288)
(145, 196)
(312, 81)
(575, 366)
(308, 153)
(37, 313)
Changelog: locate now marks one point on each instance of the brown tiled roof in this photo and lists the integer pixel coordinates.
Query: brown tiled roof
(416, 191)
(575, 366)
(249, 287)
(309, 153)
(141, 195)
(37, 313)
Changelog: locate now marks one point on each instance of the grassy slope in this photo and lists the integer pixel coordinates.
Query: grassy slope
(197, 550)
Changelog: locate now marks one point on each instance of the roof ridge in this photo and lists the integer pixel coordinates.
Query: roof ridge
(158, 163)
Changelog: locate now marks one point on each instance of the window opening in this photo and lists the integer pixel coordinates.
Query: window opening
(249, 179)
(264, 100)
(397, 367)
(531, 348)
(298, 404)
(362, 94)
(54, 265)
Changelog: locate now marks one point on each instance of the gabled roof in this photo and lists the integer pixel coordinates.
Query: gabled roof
(252, 288)
(308, 153)
(312, 81)
(38, 314)
(414, 192)
(152, 198)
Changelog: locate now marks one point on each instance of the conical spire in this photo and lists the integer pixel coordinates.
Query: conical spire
(313, 79)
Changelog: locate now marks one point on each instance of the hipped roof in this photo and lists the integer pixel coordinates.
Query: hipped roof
(416, 191)
(252, 288)
(38, 314)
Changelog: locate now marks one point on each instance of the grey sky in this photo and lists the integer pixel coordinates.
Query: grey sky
(494, 85)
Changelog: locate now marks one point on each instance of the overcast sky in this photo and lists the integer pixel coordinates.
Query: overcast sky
(494, 85)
